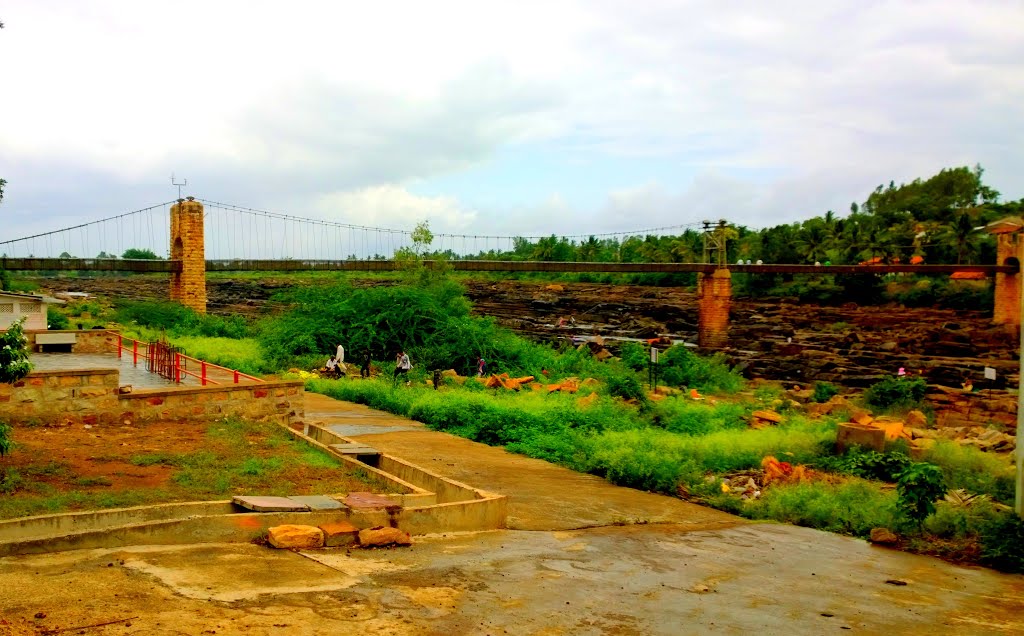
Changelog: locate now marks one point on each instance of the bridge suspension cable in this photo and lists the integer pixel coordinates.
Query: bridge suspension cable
(146, 228)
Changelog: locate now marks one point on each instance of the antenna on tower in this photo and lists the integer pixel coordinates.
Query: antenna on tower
(184, 182)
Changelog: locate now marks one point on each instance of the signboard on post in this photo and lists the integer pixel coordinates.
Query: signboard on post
(990, 373)
(654, 355)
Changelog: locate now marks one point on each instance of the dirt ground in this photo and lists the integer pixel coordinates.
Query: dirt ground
(97, 460)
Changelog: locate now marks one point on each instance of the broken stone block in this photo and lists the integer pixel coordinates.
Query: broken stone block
(851, 434)
(296, 537)
(883, 536)
(339, 534)
(381, 536)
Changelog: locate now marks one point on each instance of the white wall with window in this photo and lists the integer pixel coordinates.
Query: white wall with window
(14, 306)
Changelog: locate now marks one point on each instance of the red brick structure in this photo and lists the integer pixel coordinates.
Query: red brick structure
(714, 295)
(188, 286)
(1009, 244)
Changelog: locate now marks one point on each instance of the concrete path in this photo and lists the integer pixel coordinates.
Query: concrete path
(689, 571)
(542, 496)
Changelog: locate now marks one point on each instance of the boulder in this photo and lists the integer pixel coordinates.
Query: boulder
(861, 417)
(851, 434)
(382, 535)
(296, 537)
(883, 536)
(916, 419)
(339, 534)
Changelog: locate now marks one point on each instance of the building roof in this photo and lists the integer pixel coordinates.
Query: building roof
(21, 295)
(1005, 225)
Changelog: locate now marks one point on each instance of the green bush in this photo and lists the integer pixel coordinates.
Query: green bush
(1002, 543)
(623, 383)
(853, 507)
(180, 320)
(634, 355)
(678, 366)
(14, 362)
(6, 443)
(918, 487)
(693, 418)
(824, 391)
(868, 464)
(55, 319)
(896, 391)
(973, 470)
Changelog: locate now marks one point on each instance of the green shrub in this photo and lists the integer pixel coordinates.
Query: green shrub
(623, 383)
(824, 391)
(678, 366)
(693, 418)
(55, 319)
(14, 362)
(1002, 543)
(918, 487)
(6, 443)
(634, 356)
(869, 464)
(896, 392)
(853, 507)
(973, 470)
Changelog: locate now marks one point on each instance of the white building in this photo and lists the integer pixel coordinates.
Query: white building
(15, 306)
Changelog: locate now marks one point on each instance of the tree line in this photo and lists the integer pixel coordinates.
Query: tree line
(938, 219)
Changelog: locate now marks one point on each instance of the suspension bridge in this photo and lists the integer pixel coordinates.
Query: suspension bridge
(239, 238)
(195, 236)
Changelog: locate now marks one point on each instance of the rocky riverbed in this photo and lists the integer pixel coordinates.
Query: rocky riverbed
(769, 338)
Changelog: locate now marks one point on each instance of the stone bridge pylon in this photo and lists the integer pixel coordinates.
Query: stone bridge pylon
(188, 285)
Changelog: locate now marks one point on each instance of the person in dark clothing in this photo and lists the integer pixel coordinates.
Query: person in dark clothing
(364, 370)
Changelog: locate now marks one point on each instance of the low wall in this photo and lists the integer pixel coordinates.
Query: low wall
(90, 396)
(280, 402)
(61, 398)
(86, 340)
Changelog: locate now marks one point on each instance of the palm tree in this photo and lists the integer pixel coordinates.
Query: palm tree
(961, 237)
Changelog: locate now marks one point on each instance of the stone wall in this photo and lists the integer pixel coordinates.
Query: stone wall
(280, 402)
(86, 340)
(61, 398)
(1007, 286)
(90, 396)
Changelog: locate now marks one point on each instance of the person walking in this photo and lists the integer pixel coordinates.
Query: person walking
(339, 358)
(402, 365)
(481, 367)
(364, 370)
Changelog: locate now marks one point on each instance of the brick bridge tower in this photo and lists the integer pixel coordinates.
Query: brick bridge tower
(188, 286)
(1007, 288)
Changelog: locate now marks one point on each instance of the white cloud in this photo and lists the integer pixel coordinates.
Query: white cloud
(390, 205)
(781, 110)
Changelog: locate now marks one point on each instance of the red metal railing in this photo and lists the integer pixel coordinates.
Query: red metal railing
(177, 366)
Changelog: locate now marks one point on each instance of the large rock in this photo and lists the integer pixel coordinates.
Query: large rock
(851, 434)
(382, 535)
(296, 537)
(883, 536)
(916, 419)
(339, 534)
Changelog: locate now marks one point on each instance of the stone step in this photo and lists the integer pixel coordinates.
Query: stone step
(354, 449)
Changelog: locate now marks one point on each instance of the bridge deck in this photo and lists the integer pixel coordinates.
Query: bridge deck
(170, 266)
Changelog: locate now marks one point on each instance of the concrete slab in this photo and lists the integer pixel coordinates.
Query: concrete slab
(354, 449)
(269, 504)
(318, 502)
(370, 501)
(656, 579)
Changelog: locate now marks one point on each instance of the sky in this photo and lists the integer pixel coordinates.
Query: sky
(518, 118)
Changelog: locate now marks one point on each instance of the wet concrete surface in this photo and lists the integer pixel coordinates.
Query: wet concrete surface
(696, 571)
(136, 375)
(654, 579)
